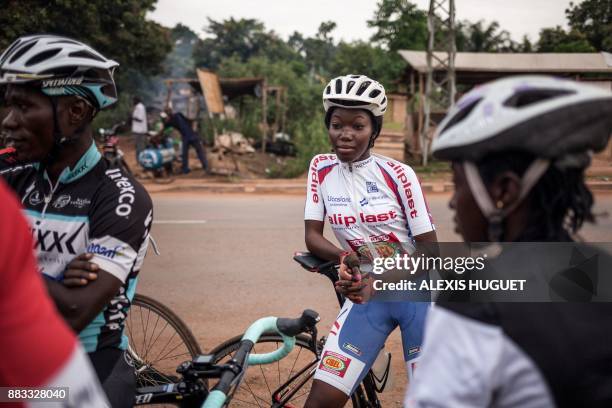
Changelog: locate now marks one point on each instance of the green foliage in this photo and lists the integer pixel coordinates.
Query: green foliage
(558, 40)
(399, 25)
(241, 39)
(180, 63)
(361, 58)
(303, 97)
(121, 112)
(478, 37)
(311, 139)
(116, 28)
(593, 18)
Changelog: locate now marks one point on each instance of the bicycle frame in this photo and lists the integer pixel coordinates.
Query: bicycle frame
(191, 391)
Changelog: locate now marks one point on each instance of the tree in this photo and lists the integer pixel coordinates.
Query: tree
(399, 25)
(116, 28)
(179, 62)
(243, 38)
(476, 37)
(593, 18)
(525, 45)
(362, 58)
(558, 40)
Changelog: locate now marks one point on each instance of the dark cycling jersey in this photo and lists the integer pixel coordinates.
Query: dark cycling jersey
(37, 348)
(527, 355)
(92, 208)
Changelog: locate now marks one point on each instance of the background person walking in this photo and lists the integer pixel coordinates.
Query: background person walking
(139, 125)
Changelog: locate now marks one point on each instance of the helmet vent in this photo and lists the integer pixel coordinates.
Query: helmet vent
(343, 102)
(22, 51)
(355, 76)
(328, 90)
(8, 52)
(43, 56)
(87, 55)
(461, 115)
(384, 101)
(363, 87)
(531, 96)
(338, 86)
(64, 41)
(349, 86)
(374, 93)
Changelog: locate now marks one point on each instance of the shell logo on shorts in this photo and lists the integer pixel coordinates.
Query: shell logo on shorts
(334, 363)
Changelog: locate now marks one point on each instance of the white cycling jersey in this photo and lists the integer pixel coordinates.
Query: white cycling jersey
(377, 199)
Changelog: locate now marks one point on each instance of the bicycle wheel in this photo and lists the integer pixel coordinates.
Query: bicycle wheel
(158, 341)
(288, 380)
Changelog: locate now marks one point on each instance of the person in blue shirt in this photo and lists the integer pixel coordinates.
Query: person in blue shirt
(189, 136)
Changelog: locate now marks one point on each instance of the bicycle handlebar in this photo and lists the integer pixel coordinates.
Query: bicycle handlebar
(287, 328)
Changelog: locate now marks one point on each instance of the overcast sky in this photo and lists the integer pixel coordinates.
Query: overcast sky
(519, 17)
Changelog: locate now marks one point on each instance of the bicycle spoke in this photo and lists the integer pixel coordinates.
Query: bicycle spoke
(263, 374)
(279, 372)
(294, 363)
(255, 397)
(245, 402)
(187, 353)
(130, 335)
(166, 345)
(153, 332)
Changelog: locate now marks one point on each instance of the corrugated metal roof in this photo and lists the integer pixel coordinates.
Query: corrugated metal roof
(507, 62)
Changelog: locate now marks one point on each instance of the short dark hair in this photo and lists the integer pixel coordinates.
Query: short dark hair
(559, 203)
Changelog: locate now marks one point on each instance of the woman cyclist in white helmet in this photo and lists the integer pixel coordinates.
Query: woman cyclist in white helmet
(519, 148)
(376, 208)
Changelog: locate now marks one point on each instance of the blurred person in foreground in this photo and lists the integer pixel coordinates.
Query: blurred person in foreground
(519, 148)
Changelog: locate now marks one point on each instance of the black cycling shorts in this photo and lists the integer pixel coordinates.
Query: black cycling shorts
(116, 373)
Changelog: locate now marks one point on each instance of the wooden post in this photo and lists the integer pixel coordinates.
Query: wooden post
(277, 111)
(284, 117)
(420, 123)
(169, 92)
(264, 116)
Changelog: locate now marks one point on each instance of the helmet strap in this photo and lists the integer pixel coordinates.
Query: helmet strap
(495, 216)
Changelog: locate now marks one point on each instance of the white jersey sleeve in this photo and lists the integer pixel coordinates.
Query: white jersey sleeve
(315, 207)
(467, 364)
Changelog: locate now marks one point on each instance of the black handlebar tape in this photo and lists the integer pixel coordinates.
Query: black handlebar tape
(293, 327)
(228, 376)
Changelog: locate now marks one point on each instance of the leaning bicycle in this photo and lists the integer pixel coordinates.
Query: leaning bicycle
(288, 383)
(190, 389)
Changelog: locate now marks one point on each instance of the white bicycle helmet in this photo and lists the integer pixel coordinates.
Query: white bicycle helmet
(62, 66)
(559, 121)
(355, 91)
(548, 117)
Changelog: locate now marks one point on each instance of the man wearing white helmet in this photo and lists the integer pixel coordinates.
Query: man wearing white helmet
(519, 148)
(376, 208)
(90, 221)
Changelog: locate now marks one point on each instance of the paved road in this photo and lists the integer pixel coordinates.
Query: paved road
(226, 260)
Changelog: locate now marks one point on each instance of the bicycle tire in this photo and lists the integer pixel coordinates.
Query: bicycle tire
(155, 366)
(259, 383)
